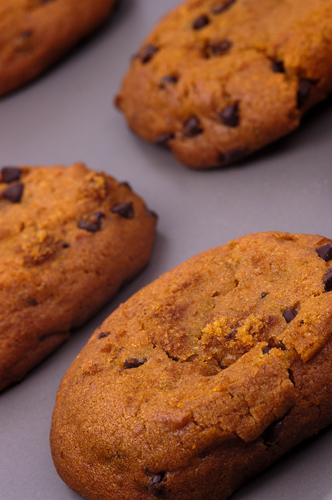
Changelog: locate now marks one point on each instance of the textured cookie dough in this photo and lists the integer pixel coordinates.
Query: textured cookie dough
(36, 33)
(69, 238)
(218, 79)
(203, 378)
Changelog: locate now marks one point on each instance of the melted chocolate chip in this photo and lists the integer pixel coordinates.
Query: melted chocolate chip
(200, 22)
(155, 485)
(289, 315)
(278, 66)
(14, 193)
(327, 281)
(222, 7)
(167, 80)
(192, 127)
(325, 251)
(134, 362)
(220, 47)
(148, 52)
(272, 433)
(231, 334)
(163, 139)
(303, 92)
(125, 210)
(65, 245)
(103, 335)
(10, 174)
(92, 224)
(267, 349)
(230, 115)
(263, 295)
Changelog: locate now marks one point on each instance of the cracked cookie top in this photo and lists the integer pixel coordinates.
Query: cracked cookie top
(204, 355)
(217, 79)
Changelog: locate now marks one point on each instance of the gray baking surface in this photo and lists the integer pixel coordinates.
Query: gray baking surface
(68, 115)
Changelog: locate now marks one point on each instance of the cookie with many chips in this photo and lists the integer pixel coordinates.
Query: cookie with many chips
(204, 377)
(218, 79)
(69, 238)
(36, 33)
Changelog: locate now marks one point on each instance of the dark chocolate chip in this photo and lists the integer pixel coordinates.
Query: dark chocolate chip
(10, 174)
(232, 156)
(220, 8)
(327, 281)
(272, 433)
(200, 22)
(167, 80)
(125, 210)
(148, 52)
(282, 346)
(192, 127)
(93, 223)
(220, 47)
(134, 362)
(31, 301)
(230, 115)
(151, 213)
(65, 245)
(267, 349)
(102, 335)
(303, 92)
(14, 193)
(278, 66)
(289, 315)
(156, 487)
(126, 184)
(325, 251)
(163, 139)
(231, 334)
(263, 295)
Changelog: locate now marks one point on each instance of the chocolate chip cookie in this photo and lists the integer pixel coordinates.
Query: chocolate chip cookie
(203, 378)
(36, 33)
(69, 238)
(218, 79)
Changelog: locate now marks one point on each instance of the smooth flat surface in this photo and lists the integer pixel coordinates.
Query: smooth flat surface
(68, 115)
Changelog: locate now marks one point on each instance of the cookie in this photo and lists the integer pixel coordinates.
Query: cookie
(69, 238)
(204, 377)
(218, 79)
(36, 33)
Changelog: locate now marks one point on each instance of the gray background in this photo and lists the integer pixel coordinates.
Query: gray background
(68, 115)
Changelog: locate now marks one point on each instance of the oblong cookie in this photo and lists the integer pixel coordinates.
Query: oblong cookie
(204, 377)
(36, 33)
(69, 238)
(218, 79)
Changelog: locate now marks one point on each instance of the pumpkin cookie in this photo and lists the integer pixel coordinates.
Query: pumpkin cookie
(69, 238)
(204, 377)
(36, 33)
(218, 79)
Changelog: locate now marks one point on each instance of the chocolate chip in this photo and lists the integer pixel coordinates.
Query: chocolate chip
(126, 184)
(220, 47)
(102, 335)
(263, 295)
(220, 8)
(272, 433)
(134, 362)
(325, 251)
(31, 301)
(192, 127)
(148, 52)
(230, 115)
(65, 245)
(289, 315)
(10, 174)
(125, 210)
(163, 139)
(151, 213)
(167, 80)
(14, 193)
(303, 92)
(93, 223)
(232, 156)
(200, 22)
(327, 281)
(278, 66)
(156, 487)
(267, 349)
(231, 334)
